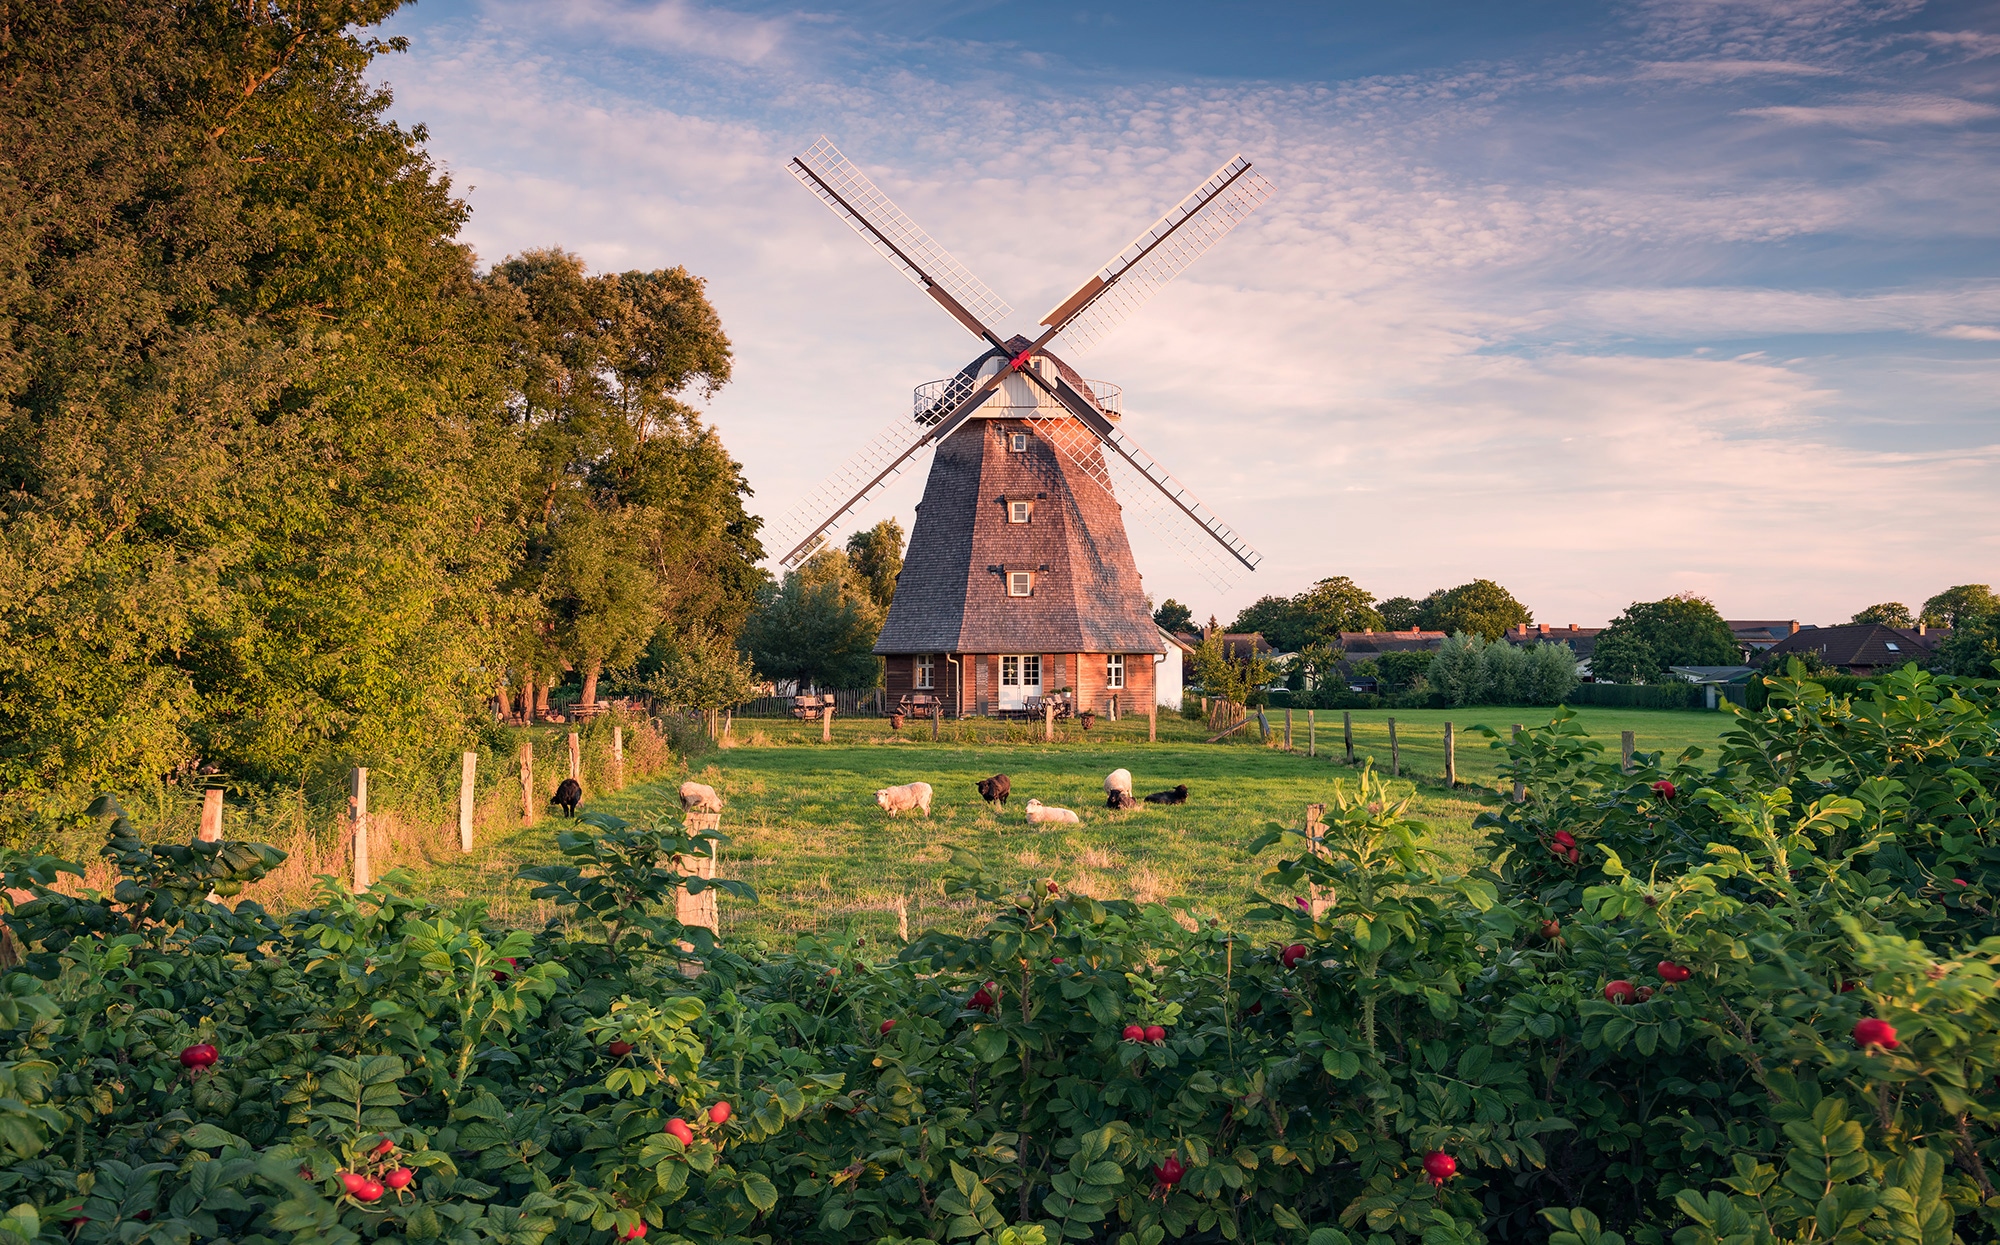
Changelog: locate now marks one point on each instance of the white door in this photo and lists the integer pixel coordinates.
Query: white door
(1020, 678)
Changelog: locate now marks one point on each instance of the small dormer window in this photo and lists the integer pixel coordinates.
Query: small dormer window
(1891, 646)
(1018, 442)
(1020, 511)
(1020, 583)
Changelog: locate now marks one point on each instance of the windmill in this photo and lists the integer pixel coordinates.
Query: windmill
(1019, 577)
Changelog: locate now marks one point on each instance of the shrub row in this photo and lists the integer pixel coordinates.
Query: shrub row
(1745, 998)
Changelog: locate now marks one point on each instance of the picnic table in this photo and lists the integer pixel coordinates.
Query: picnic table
(809, 706)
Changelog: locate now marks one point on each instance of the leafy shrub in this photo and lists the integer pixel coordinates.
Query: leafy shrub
(1633, 1018)
(1674, 695)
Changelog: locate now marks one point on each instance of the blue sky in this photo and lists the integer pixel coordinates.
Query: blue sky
(1602, 301)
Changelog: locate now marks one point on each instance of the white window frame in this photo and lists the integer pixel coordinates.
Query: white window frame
(1020, 511)
(1020, 679)
(1020, 583)
(1114, 671)
(923, 673)
(1018, 442)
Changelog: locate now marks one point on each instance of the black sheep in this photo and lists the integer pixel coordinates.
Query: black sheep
(1177, 796)
(994, 790)
(568, 796)
(1120, 800)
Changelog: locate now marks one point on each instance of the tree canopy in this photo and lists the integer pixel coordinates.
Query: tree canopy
(1313, 618)
(1888, 614)
(1650, 636)
(1954, 607)
(1173, 616)
(818, 626)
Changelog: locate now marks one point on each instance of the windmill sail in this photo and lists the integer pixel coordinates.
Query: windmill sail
(1159, 254)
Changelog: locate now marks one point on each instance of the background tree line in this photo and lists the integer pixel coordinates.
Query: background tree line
(286, 481)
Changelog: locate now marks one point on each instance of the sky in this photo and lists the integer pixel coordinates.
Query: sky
(1603, 301)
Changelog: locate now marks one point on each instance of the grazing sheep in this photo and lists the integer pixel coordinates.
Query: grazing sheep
(699, 798)
(568, 795)
(1120, 800)
(904, 798)
(994, 790)
(1177, 796)
(1048, 814)
(1118, 780)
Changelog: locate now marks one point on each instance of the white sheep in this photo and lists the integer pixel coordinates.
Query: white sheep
(1118, 780)
(699, 798)
(1048, 814)
(908, 796)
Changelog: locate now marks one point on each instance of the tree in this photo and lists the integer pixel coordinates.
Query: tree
(1974, 647)
(1278, 619)
(1239, 679)
(819, 627)
(1400, 613)
(876, 555)
(1482, 608)
(1955, 606)
(1173, 616)
(1888, 614)
(1400, 671)
(1334, 605)
(701, 670)
(1650, 636)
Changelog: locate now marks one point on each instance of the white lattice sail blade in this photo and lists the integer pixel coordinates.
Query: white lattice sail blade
(1159, 254)
(1219, 557)
(897, 238)
(888, 454)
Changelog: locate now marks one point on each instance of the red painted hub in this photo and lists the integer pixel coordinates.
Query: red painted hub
(1020, 361)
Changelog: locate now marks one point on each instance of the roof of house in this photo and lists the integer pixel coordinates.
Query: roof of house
(1174, 639)
(1761, 632)
(1361, 643)
(1713, 674)
(1862, 647)
(1581, 640)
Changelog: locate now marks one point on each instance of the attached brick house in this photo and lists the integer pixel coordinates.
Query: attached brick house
(1019, 581)
(1863, 648)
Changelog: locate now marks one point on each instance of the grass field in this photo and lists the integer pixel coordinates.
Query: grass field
(804, 829)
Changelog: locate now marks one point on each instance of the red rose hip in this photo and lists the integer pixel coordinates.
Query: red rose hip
(1664, 789)
(1873, 1032)
(1670, 971)
(679, 1129)
(353, 1182)
(1620, 991)
(1440, 1166)
(1293, 954)
(619, 1049)
(637, 1233)
(886, 1026)
(719, 1113)
(1155, 1034)
(370, 1190)
(1134, 1033)
(200, 1055)
(1170, 1172)
(399, 1179)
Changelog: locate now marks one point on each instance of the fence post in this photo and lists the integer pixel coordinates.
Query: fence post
(357, 817)
(937, 715)
(468, 769)
(1048, 721)
(1450, 757)
(1395, 757)
(211, 815)
(1288, 728)
(1625, 751)
(527, 782)
(1312, 736)
(1153, 725)
(575, 756)
(1520, 788)
(618, 756)
(1347, 732)
(826, 723)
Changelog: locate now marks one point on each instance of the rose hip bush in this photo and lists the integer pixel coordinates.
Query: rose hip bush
(1753, 997)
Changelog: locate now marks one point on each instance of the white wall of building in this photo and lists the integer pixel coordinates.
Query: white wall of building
(1167, 676)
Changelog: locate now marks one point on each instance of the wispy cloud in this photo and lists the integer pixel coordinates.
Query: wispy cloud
(1880, 112)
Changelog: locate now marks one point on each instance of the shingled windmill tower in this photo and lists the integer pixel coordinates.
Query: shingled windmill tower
(1019, 580)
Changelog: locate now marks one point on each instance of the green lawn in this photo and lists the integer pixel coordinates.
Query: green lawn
(804, 829)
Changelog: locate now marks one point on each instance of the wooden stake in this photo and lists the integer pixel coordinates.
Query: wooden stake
(1312, 736)
(1347, 732)
(1395, 757)
(826, 723)
(527, 783)
(1263, 725)
(1048, 721)
(1520, 788)
(1316, 844)
(1450, 757)
(575, 756)
(1153, 725)
(937, 715)
(1288, 728)
(357, 820)
(1625, 742)
(211, 815)
(468, 769)
(618, 757)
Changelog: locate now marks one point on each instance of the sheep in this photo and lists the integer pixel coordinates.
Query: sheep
(1120, 800)
(568, 795)
(1048, 814)
(994, 790)
(1118, 780)
(699, 798)
(1177, 796)
(908, 796)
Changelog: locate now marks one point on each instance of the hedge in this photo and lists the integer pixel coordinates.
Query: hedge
(1638, 695)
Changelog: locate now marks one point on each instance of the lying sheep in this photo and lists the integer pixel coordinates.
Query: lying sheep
(904, 798)
(1118, 780)
(994, 790)
(699, 798)
(1177, 796)
(1048, 814)
(1120, 800)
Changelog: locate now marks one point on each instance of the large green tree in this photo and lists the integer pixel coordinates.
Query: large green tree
(1174, 617)
(817, 627)
(1888, 614)
(1956, 606)
(876, 555)
(1482, 608)
(1650, 636)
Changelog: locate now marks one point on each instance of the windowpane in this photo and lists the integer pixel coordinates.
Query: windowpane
(1114, 670)
(1010, 672)
(1018, 511)
(1031, 671)
(1020, 583)
(923, 672)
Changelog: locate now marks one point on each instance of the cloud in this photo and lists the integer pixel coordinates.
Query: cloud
(1728, 70)
(1880, 112)
(1971, 333)
(664, 25)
